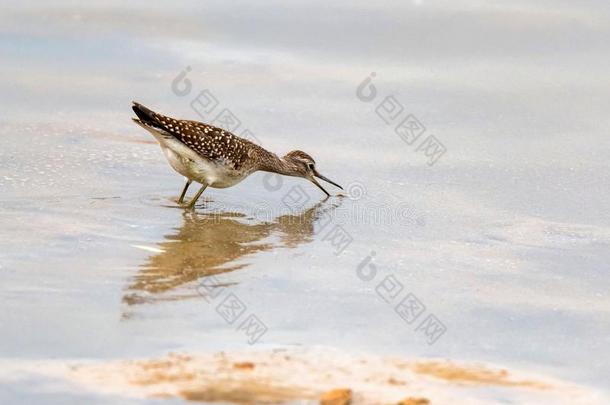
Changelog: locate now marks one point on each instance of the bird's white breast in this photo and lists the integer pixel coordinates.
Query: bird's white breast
(195, 167)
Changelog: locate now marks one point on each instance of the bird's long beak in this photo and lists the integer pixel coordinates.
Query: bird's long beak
(326, 179)
(314, 181)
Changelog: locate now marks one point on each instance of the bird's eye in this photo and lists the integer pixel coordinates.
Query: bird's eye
(310, 165)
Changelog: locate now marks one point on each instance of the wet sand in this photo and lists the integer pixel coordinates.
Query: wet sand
(315, 376)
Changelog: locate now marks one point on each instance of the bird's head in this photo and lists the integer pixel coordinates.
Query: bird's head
(304, 166)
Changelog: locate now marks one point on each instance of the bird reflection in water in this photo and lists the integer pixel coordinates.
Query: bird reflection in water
(212, 243)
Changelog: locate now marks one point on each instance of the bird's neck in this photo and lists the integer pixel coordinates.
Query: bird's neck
(270, 162)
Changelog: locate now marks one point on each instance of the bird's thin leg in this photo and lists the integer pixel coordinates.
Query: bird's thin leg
(194, 200)
(186, 187)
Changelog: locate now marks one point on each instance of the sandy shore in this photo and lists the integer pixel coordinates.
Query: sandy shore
(302, 376)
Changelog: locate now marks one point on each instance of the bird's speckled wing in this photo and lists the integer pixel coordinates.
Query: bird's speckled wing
(213, 143)
(208, 141)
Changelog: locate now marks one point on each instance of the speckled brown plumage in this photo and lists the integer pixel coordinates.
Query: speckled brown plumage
(212, 143)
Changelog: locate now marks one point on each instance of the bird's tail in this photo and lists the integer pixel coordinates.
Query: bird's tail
(147, 116)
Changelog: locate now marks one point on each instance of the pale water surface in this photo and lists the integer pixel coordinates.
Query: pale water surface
(505, 239)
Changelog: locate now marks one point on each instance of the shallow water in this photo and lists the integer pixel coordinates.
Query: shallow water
(504, 239)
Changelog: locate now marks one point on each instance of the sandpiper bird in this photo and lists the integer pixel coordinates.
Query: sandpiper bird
(217, 158)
